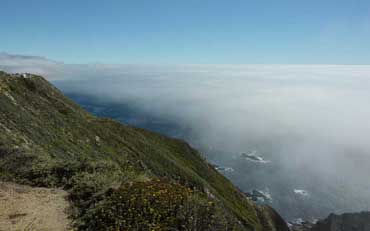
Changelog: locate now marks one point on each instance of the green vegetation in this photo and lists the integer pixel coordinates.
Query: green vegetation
(119, 177)
(153, 205)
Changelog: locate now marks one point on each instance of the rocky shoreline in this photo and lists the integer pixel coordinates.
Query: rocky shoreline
(344, 222)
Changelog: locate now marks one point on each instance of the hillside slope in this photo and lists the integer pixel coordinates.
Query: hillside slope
(118, 177)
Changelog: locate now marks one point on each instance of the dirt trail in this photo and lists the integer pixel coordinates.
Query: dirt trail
(27, 208)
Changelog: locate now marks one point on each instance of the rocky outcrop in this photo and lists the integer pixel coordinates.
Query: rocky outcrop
(344, 222)
(270, 219)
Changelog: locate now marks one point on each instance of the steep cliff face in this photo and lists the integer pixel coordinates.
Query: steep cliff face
(344, 222)
(118, 177)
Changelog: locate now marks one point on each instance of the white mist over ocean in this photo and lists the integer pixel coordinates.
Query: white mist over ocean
(308, 124)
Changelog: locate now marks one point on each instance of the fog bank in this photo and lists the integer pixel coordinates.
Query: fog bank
(311, 121)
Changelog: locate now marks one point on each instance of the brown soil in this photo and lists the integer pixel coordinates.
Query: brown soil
(28, 208)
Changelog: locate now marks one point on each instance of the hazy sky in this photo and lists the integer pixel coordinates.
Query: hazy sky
(192, 31)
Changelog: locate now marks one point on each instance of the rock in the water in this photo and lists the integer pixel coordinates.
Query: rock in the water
(301, 192)
(252, 156)
(258, 196)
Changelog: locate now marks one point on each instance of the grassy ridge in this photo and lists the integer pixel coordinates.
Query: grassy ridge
(48, 140)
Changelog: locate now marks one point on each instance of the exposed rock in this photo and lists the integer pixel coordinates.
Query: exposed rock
(252, 156)
(344, 222)
(259, 196)
(301, 192)
(271, 220)
(223, 169)
(300, 225)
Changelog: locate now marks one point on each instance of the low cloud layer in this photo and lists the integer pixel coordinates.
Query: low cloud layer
(311, 120)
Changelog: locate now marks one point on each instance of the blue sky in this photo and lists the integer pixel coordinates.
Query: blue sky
(191, 31)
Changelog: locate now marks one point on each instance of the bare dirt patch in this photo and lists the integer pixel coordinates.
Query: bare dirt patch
(28, 208)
